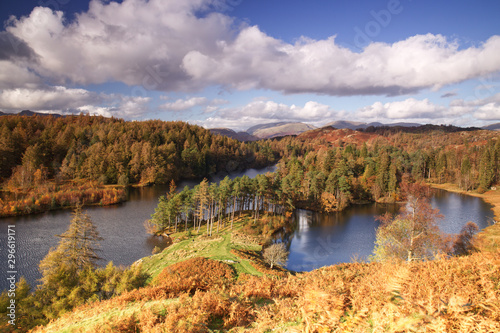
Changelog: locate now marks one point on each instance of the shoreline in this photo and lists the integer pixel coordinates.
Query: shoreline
(489, 237)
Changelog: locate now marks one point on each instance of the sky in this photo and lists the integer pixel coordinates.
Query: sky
(238, 63)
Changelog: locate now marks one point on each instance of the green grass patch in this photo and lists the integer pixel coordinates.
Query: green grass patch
(216, 247)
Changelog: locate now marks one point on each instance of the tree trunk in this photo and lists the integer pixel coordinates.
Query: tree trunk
(234, 209)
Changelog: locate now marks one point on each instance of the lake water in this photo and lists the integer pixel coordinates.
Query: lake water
(121, 226)
(318, 240)
(326, 239)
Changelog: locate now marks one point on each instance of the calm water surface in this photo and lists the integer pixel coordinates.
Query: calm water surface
(318, 239)
(326, 239)
(121, 226)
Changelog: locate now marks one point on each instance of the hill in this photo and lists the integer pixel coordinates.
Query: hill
(272, 130)
(332, 135)
(40, 169)
(492, 127)
(211, 284)
(346, 124)
(240, 136)
(29, 113)
(340, 124)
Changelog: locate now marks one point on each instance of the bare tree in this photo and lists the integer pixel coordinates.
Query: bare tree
(276, 254)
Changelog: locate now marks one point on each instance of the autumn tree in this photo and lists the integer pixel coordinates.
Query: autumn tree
(276, 255)
(77, 248)
(464, 241)
(411, 235)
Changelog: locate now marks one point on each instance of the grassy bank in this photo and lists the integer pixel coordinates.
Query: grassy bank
(243, 236)
(489, 237)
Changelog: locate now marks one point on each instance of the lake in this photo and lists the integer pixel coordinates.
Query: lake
(121, 226)
(326, 239)
(318, 239)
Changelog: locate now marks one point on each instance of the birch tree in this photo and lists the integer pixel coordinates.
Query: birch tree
(411, 235)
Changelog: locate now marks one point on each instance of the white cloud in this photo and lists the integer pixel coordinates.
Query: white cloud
(119, 106)
(187, 104)
(65, 100)
(458, 112)
(184, 104)
(13, 75)
(262, 111)
(409, 108)
(490, 111)
(136, 42)
(255, 60)
(56, 98)
(166, 45)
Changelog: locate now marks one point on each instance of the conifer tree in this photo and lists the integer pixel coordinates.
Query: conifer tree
(77, 248)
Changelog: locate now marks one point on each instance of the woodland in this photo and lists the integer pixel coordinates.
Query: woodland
(50, 163)
(217, 274)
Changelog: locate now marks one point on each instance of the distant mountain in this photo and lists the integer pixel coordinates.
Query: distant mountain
(492, 127)
(346, 124)
(272, 130)
(401, 124)
(32, 113)
(240, 136)
(29, 113)
(340, 124)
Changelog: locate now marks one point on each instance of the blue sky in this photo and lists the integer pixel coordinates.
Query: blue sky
(237, 63)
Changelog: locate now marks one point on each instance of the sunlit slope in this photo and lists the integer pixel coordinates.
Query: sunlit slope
(446, 295)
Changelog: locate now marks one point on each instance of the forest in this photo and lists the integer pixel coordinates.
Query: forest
(217, 274)
(48, 163)
(327, 176)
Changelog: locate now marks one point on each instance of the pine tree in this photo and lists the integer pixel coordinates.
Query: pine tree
(77, 248)
(486, 171)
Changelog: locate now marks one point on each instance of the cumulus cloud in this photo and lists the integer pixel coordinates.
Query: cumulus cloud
(66, 100)
(12, 48)
(136, 42)
(187, 104)
(262, 111)
(118, 106)
(181, 45)
(490, 111)
(255, 60)
(459, 111)
(410, 108)
(13, 75)
(56, 98)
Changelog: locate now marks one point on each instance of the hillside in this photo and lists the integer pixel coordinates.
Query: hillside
(29, 113)
(214, 278)
(220, 284)
(54, 162)
(273, 130)
(240, 136)
(492, 127)
(341, 124)
(338, 136)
